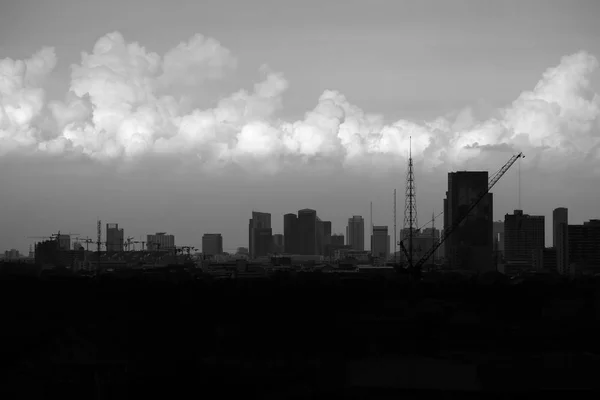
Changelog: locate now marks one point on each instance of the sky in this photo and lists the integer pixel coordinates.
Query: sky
(184, 117)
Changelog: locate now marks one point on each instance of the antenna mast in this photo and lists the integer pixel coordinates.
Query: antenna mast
(410, 208)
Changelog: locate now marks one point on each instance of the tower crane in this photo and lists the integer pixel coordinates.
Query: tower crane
(416, 269)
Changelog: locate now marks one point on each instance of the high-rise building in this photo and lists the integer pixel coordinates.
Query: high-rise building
(64, 242)
(583, 247)
(523, 236)
(559, 216)
(560, 237)
(290, 233)
(307, 232)
(380, 242)
(355, 233)
(470, 245)
(160, 241)
(114, 238)
(212, 244)
(278, 243)
(260, 234)
(326, 237)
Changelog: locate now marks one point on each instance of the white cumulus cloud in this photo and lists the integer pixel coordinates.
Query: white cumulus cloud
(120, 106)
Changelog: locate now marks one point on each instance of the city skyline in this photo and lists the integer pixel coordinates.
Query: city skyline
(453, 76)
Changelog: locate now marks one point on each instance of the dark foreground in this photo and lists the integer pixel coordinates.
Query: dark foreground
(303, 338)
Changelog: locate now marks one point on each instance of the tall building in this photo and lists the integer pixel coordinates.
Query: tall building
(64, 242)
(523, 236)
(355, 233)
(307, 232)
(380, 242)
(260, 234)
(212, 244)
(560, 215)
(583, 247)
(326, 237)
(160, 241)
(470, 245)
(290, 233)
(560, 237)
(278, 243)
(114, 238)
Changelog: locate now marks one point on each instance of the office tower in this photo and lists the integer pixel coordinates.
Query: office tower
(470, 245)
(114, 238)
(212, 244)
(307, 232)
(278, 243)
(560, 237)
(64, 242)
(320, 233)
(290, 233)
(326, 237)
(160, 241)
(559, 216)
(260, 234)
(355, 233)
(523, 236)
(583, 248)
(380, 242)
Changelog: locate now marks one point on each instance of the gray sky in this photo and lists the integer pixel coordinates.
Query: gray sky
(449, 73)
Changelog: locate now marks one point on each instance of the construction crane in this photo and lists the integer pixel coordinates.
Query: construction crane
(447, 232)
(87, 242)
(128, 242)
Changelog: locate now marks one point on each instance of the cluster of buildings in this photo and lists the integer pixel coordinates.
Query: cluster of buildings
(477, 244)
(520, 244)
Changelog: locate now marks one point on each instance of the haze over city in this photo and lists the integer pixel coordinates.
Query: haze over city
(185, 117)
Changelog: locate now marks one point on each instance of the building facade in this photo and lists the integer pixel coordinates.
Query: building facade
(115, 238)
(523, 236)
(260, 234)
(290, 233)
(355, 233)
(307, 232)
(160, 241)
(212, 244)
(380, 242)
(560, 237)
(470, 246)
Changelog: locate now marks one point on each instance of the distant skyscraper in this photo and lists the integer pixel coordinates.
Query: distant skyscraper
(583, 248)
(64, 242)
(470, 245)
(560, 237)
(114, 238)
(559, 216)
(523, 236)
(307, 232)
(326, 237)
(260, 234)
(355, 233)
(212, 244)
(278, 243)
(160, 241)
(380, 242)
(290, 233)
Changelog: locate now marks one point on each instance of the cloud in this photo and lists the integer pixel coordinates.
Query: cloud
(122, 105)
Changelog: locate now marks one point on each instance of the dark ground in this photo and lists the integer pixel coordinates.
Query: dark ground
(76, 338)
